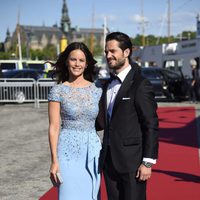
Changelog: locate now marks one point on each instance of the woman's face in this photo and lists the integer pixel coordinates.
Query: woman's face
(76, 63)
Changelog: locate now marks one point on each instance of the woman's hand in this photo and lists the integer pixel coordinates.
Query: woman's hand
(53, 170)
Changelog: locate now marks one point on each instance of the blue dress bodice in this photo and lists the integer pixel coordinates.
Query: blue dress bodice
(78, 109)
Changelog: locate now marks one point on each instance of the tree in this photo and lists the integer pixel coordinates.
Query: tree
(50, 52)
(186, 35)
(98, 49)
(155, 40)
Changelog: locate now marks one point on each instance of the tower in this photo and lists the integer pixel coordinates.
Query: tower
(65, 20)
(7, 43)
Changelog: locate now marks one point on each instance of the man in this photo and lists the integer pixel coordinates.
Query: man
(130, 143)
(195, 84)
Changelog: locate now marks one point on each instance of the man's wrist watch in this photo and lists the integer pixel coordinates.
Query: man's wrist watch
(147, 164)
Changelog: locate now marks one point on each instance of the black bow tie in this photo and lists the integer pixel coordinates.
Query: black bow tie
(114, 77)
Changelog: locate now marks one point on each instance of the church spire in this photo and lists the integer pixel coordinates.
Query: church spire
(65, 20)
(7, 33)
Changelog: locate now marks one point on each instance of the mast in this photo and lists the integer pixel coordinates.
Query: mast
(169, 21)
(104, 32)
(92, 32)
(142, 23)
(198, 26)
(18, 37)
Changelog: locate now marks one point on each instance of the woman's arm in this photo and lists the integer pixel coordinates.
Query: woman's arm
(53, 132)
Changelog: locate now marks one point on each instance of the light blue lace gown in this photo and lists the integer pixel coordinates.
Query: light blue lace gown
(78, 145)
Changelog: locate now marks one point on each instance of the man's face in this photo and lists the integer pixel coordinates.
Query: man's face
(116, 58)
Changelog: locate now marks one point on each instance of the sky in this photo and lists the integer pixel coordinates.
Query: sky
(120, 15)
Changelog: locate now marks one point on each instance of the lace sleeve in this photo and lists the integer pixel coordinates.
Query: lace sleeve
(55, 94)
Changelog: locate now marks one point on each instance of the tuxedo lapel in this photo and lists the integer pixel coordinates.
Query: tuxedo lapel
(123, 89)
(105, 100)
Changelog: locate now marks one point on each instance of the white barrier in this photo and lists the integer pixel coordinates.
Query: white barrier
(25, 90)
(43, 86)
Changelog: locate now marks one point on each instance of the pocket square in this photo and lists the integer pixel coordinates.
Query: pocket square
(126, 98)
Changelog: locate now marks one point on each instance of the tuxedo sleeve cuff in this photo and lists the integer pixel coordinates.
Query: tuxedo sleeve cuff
(153, 161)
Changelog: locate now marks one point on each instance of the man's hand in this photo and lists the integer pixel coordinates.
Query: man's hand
(143, 173)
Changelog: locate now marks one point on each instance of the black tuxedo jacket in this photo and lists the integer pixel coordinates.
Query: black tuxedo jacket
(132, 132)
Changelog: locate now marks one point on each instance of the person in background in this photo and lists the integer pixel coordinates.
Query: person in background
(195, 84)
(130, 143)
(75, 145)
(1, 73)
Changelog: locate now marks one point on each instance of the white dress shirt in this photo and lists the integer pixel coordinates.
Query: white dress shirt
(112, 91)
(113, 88)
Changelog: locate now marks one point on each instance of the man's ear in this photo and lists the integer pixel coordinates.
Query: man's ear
(126, 52)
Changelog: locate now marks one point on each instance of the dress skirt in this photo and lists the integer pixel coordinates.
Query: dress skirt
(81, 180)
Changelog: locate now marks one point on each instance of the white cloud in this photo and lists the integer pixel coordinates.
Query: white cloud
(138, 18)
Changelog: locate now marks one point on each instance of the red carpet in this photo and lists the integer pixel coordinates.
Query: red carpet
(177, 174)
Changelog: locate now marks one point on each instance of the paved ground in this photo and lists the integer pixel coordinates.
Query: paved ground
(24, 154)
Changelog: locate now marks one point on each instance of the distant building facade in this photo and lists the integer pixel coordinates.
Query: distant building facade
(39, 37)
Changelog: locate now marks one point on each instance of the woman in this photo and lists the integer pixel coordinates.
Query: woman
(75, 146)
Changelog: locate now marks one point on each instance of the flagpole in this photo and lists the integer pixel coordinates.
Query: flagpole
(19, 38)
(104, 32)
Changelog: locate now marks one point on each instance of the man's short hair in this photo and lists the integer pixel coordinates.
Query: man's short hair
(123, 39)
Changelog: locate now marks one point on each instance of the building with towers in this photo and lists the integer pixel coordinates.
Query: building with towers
(39, 37)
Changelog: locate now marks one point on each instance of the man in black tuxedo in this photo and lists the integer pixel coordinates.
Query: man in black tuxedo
(130, 143)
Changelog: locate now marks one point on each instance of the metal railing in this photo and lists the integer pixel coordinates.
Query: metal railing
(17, 90)
(43, 86)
